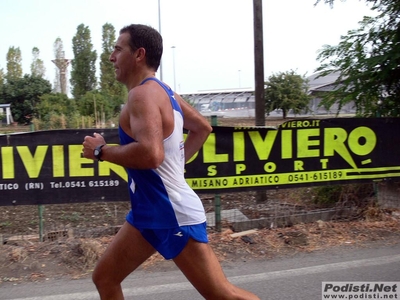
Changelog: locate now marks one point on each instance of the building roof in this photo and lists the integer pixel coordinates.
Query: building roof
(315, 83)
(323, 82)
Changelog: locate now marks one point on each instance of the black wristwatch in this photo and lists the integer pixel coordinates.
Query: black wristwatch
(97, 152)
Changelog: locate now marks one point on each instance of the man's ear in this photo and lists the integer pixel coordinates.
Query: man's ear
(140, 54)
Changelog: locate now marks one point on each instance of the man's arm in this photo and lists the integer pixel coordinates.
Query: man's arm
(198, 127)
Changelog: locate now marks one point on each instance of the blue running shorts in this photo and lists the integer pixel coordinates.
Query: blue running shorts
(170, 242)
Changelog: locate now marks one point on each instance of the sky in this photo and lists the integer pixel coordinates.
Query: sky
(208, 44)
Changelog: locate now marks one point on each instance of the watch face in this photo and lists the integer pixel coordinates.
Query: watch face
(97, 152)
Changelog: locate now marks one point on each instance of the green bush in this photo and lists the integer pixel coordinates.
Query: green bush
(327, 195)
(352, 194)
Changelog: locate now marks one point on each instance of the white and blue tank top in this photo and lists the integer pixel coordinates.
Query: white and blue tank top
(161, 198)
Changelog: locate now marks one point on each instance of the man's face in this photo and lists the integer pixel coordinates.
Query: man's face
(123, 58)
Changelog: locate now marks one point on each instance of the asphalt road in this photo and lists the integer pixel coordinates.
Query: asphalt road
(298, 277)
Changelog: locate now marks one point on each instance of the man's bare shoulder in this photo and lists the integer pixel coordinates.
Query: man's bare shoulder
(136, 93)
(147, 91)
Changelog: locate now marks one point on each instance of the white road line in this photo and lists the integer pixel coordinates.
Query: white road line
(165, 288)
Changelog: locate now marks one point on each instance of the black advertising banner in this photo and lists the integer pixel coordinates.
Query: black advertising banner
(298, 153)
(46, 167)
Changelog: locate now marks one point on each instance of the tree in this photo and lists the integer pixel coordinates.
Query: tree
(55, 103)
(14, 67)
(83, 73)
(55, 106)
(37, 66)
(109, 86)
(97, 105)
(286, 91)
(368, 60)
(24, 94)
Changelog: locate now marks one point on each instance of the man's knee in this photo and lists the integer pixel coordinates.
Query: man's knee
(97, 277)
(101, 279)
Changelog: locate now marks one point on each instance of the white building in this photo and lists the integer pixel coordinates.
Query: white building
(5, 110)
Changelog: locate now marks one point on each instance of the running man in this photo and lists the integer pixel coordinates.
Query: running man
(166, 214)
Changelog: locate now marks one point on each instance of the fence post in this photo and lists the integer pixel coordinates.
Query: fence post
(40, 206)
(217, 198)
(374, 182)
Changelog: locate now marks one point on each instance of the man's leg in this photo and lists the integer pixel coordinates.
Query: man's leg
(127, 251)
(201, 267)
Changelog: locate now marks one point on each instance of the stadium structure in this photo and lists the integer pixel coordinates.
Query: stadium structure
(226, 101)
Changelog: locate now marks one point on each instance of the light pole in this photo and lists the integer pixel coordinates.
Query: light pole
(239, 79)
(173, 61)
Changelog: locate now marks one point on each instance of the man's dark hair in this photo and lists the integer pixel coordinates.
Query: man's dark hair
(146, 37)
